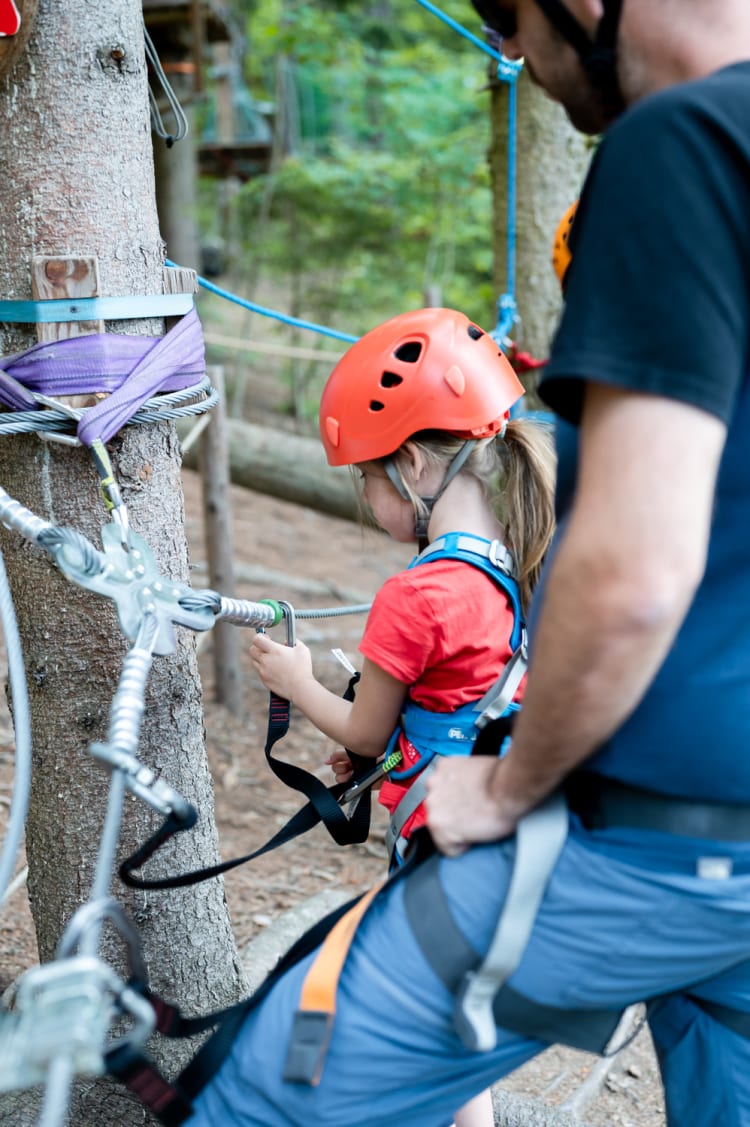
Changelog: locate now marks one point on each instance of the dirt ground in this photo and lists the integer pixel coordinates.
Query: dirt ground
(285, 552)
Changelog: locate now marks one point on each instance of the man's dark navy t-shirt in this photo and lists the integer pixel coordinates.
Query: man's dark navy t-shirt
(658, 301)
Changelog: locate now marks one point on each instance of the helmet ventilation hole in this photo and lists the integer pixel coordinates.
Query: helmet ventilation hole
(409, 352)
(474, 332)
(390, 379)
(376, 405)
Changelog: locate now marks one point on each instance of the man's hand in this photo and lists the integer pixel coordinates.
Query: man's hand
(464, 805)
(281, 668)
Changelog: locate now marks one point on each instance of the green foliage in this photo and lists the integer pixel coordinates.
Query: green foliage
(385, 193)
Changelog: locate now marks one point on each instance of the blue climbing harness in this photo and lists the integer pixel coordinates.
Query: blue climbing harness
(455, 733)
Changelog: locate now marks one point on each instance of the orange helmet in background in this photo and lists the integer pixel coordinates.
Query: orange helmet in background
(432, 369)
(561, 256)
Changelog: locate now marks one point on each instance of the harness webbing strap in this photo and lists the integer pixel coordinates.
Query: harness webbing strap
(602, 802)
(313, 1022)
(452, 958)
(147, 1083)
(322, 805)
(491, 550)
(413, 798)
(498, 699)
(539, 840)
(170, 1102)
(489, 556)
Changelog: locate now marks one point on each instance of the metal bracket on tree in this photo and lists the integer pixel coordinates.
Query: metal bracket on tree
(63, 1012)
(133, 581)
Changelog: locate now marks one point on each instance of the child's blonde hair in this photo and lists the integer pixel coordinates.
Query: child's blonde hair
(517, 472)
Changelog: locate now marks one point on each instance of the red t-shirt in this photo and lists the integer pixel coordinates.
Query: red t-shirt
(443, 628)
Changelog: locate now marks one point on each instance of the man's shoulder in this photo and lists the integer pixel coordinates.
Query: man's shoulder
(724, 92)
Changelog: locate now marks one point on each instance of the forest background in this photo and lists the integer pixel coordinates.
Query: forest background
(378, 194)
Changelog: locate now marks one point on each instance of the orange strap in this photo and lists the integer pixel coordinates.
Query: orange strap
(322, 979)
(313, 1022)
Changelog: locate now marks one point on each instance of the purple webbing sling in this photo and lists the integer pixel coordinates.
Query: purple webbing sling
(131, 368)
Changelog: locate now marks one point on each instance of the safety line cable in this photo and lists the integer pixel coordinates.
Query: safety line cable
(157, 121)
(333, 612)
(173, 405)
(22, 726)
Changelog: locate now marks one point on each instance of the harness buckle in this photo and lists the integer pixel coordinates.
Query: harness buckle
(501, 558)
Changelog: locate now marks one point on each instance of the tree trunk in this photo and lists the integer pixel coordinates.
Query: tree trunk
(284, 465)
(551, 163)
(78, 179)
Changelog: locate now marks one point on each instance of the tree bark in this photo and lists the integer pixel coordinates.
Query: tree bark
(78, 179)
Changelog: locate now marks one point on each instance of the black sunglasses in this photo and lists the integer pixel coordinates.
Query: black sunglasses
(498, 18)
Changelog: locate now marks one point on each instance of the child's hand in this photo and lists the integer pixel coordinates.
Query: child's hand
(280, 668)
(340, 764)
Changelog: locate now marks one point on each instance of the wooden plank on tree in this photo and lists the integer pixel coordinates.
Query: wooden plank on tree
(179, 279)
(54, 278)
(58, 277)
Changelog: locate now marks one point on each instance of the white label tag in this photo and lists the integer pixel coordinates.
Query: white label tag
(714, 868)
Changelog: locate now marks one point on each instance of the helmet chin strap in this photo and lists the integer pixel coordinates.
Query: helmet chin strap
(598, 56)
(421, 523)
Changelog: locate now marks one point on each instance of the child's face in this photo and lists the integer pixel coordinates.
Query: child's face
(394, 515)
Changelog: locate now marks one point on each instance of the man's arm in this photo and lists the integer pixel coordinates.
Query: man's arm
(624, 576)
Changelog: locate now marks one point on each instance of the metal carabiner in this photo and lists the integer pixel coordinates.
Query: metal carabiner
(289, 621)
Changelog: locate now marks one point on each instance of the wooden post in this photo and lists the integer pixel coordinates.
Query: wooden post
(217, 517)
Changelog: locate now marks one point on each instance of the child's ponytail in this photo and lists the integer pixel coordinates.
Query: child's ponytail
(527, 454)
(516, 471)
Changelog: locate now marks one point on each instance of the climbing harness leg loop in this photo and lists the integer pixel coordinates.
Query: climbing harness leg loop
(539, 840)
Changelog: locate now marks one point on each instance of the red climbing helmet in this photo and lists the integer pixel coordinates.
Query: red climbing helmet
(432, 369)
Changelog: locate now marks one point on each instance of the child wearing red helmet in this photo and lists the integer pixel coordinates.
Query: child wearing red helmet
(420, 408)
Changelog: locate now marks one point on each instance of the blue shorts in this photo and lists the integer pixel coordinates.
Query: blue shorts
(625, 918)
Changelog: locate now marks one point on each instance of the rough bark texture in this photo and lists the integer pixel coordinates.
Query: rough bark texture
(78, 179)
(552, 162)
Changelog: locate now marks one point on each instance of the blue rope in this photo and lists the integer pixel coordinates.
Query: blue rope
(508, 71)
(461, 30)
(507, 307)
(272, 312)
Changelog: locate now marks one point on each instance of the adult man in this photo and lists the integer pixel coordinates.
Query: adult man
(641, 650)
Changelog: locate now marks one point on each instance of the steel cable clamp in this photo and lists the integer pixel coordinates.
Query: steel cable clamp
(64, 1011)
(133, 581)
